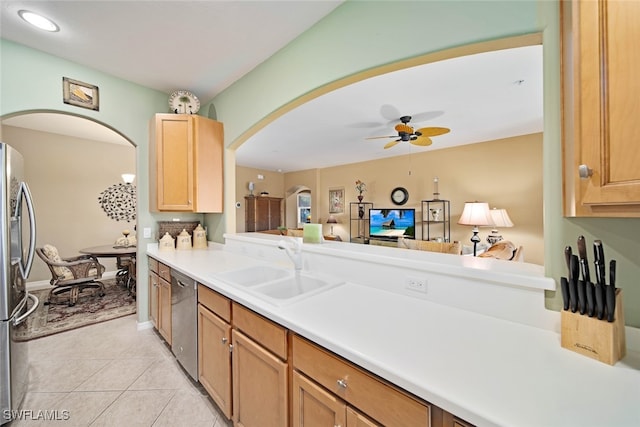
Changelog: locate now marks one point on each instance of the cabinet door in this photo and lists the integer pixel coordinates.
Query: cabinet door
(259, 385)
(356, 419)
(602, 106)
(174, 162)
(262, 214)
(153, 298)
(274, 214)
(214, 358)
(164, 310)
(313, 406)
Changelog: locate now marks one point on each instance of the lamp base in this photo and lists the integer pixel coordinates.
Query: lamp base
(494, 237)
(475, 239)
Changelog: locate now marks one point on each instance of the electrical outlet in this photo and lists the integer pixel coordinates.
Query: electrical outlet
(146, 232)
(416, 284)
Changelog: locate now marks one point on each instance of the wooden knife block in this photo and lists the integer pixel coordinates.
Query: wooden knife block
(598, 339)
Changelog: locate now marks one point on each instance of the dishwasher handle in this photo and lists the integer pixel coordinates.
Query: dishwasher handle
(182, 280)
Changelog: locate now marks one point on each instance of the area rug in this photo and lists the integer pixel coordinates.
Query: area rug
(56, 318)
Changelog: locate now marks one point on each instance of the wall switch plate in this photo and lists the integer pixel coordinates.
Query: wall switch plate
(146, 232)
(416, 284)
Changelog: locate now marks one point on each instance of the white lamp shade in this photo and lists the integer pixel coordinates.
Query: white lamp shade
(501, 218)
(332, 220)
(128, 178)
(476, 214)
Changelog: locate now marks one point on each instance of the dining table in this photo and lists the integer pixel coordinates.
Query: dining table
(126, 261)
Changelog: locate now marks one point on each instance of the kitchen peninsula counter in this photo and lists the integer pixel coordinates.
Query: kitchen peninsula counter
(474, 359)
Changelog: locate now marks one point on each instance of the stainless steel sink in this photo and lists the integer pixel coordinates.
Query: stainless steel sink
(277, 285)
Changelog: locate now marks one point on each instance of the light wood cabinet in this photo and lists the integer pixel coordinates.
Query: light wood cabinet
(376, 399)
(601, 106)
(214, 351)
(163, 318)
(154, 283)
(262, 213)
(260, 370)
(313, 406)
(185, 164)
(259, 385)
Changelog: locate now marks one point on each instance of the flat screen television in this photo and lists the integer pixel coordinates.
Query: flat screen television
(389, 224)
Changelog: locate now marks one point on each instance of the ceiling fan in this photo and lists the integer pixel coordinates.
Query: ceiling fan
(416, 137)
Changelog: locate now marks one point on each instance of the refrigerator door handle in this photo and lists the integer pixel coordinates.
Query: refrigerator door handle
(34, 307)
(24, 193)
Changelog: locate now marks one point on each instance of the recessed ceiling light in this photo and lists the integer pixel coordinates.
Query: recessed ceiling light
(38, 21)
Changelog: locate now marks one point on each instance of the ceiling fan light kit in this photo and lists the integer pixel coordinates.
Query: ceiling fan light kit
(420, 137)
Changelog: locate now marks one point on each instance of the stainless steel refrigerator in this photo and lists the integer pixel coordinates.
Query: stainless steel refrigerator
(17, 246)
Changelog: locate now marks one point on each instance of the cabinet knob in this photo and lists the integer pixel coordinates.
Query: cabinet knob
(585, 171)
(230, 348)
(342, 383)
(224, 340)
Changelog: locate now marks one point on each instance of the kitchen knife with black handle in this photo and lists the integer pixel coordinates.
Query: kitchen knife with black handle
(610, 291)
(564, 286)
(573, 283)
(598, 253)
(564, 281)
(586, 278)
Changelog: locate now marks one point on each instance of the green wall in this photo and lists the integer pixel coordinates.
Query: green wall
(357, 36)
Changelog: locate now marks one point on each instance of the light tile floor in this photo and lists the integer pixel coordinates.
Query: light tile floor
(111, 374)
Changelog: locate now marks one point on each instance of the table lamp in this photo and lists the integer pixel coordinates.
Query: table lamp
(500, 219)
(476, 214)
(332, 220)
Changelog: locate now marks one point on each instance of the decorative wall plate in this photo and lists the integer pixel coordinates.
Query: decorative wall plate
(184, 102)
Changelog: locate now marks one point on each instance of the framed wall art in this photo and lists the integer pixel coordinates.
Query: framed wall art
(80, 94)
(336, 200)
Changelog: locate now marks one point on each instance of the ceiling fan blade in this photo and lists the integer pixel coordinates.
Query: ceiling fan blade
(404, 128)
(427, 115)
(392, 143)
(390, 113)
(380, 137)
(433, 131)
(422, 141)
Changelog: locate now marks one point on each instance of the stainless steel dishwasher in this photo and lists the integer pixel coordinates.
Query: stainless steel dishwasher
(184, 322)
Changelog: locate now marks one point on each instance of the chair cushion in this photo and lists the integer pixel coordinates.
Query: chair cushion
(51, 252)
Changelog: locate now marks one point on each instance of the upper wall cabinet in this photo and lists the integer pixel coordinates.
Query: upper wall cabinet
(601, 107)
(185, 164)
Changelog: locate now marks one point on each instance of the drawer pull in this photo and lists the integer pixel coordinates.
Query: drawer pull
(342, 383)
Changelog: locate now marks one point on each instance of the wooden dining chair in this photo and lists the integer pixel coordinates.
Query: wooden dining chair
(70, 277)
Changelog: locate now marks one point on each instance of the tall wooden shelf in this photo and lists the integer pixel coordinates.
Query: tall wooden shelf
(359, 222)
(262, 213)
(436, 228)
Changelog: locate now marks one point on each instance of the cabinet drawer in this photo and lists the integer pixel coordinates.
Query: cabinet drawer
(268, 334)
(381, 401)
(164, 271)
(218, 304)
(153, 264)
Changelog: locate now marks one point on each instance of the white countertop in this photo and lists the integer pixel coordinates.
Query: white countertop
(485, 370)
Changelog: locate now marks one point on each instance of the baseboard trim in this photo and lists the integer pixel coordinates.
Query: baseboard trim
(145, 325)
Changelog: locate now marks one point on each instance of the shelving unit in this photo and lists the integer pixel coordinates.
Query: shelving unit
(436, 225)
(359, 222)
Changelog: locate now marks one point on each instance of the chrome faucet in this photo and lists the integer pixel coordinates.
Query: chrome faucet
(296, 254)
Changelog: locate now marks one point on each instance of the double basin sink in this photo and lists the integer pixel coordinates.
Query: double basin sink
(278, 285)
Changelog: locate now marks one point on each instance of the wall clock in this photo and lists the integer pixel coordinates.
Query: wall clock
(399, 195)
(184, 102)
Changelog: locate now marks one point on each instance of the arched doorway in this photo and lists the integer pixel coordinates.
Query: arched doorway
(69, 160)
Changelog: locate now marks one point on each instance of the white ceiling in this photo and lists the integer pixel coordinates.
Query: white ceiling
(479, 97)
